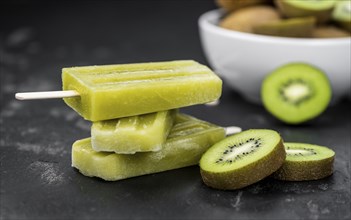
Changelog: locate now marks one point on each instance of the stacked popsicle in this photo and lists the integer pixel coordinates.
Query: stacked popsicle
(137, 128)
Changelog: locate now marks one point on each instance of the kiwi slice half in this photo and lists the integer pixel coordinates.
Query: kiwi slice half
(329, 32)
(242, 159)
(305, 162)
(293, 27)
(342, 14)
(232, 5)
(296, 92)
(321, 9)
(245, 19)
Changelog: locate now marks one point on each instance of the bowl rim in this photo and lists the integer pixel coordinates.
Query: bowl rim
(208, 19)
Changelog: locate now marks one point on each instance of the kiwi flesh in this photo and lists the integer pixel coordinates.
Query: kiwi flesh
(245, 19)
(321, 9)
(342, 14)
(296, 92)
(293, 27)
(242, 159)
(232, 5)
(329, 32)
(305, 162)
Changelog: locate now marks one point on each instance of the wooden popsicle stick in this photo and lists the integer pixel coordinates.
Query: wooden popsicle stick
(232, 130)
(46, 95)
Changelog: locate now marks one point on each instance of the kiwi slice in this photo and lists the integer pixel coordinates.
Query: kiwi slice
(321, 9)
(342, 14)
(305, 162)
(296, 92)
(242, 159)
(293, 27)
(232, 5)
(245, 19)
(329, 32)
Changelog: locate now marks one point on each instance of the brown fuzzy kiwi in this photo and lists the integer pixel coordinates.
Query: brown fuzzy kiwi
(246, 18)
(321, 10)
(293, 27)
(242, 159)
(232, 5)
(329, 32)
(305, 162)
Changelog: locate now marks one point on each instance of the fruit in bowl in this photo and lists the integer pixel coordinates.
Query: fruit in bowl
(286, 18)
(243, 59)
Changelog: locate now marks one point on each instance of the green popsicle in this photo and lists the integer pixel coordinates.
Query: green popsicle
(128, 135)
(188, 140)
(117, 91)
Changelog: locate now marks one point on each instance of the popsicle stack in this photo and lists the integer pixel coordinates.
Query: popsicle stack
(137, 128)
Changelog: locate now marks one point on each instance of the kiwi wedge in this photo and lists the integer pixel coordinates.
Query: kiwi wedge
(245, 19)
(321, 9)
(342, 14)
(293, 27)
(296, 92)
(329, 32)
(242, 159)
(232, 5)
(305, 162)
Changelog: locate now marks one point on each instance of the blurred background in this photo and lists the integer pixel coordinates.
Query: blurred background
(39, 38)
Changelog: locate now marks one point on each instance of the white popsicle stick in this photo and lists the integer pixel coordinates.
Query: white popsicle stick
(232, 130)
(213, 103)
(46, 95)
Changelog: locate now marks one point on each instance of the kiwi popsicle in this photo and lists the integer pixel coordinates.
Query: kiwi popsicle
(116, 91)
(132, 134)
(187, 141)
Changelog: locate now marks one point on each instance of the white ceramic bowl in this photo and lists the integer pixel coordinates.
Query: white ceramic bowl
(244, 59)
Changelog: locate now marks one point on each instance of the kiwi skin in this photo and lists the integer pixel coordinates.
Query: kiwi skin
(292, 27)
(248, 175)
(329, 32)
(290, 11)
(232, 5)
(345, 25)
(245, 19)
(304, 170)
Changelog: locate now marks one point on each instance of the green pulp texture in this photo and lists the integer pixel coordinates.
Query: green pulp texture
(188, 140)
(116, 91)
(240, 150)
(305, 162)
(320, 9)
(296, 92)
(306, 152)
(311, 5)
(242, 159)
(342, 14)
(128, 135)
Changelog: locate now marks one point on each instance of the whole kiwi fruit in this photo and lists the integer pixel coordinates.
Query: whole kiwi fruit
(291, 27)
(246, 18)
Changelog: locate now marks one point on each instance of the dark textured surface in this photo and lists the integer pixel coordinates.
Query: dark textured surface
(37, 180)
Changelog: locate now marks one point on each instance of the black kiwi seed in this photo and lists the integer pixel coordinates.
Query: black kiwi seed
(305, 162)
(255, 145)
(290, 94)
(234, 172)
